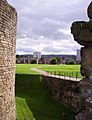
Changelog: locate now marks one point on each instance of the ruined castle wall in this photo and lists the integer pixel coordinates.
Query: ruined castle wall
(82, 33)
(65, 92)
(86, 66)
(8, 18)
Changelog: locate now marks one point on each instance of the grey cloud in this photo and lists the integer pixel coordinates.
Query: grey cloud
(33, 28)
(57, 51)
(44, 18)
(52, 49)
(25, 49)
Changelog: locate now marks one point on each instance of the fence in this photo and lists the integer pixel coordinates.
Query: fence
(65, 74)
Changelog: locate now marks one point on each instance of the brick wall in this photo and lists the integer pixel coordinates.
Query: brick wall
(8, 19)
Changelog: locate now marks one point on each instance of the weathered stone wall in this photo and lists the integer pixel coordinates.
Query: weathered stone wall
(65, 92)
(82, 32)
(8, 18)
(86, 66)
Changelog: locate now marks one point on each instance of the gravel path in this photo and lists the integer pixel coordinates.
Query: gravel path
(54, 76)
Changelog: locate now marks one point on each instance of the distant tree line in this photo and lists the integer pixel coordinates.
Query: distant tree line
(21, 59)
(57, 60)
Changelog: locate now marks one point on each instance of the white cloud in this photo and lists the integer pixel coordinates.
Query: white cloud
(45, 25)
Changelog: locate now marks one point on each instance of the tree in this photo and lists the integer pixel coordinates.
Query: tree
(53, 61)
(33, 61)
(17, 56)
(71, 62)
(42, 60)
(58, 60)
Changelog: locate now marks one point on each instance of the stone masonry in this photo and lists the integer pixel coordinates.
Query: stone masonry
(82, 32)
(65, 92)
(8, 19)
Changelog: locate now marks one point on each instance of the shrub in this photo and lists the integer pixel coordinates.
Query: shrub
(53, 61)
(71, 62)
(58, 60)
(33, 61)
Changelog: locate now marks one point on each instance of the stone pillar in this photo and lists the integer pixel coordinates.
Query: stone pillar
(8, 19)
(82, 32)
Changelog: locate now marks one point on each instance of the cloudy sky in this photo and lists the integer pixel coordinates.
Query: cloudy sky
(44, 25)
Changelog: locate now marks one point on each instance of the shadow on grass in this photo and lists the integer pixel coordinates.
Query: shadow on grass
(39, 100)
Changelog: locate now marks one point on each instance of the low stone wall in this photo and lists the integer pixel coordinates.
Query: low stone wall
(65, 92)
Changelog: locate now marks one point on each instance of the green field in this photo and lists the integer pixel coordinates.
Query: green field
(61, 67)
(33, 99)
(63, 70)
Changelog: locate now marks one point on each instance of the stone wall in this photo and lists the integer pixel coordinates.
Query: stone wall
(65, 92)
(8, 19)
(82, 33)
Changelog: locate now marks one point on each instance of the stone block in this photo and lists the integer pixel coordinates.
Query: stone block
(86, 62)
(89, 11)
(82, 32)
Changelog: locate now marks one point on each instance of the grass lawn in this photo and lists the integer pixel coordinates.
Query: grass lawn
(63, 70)
(33, 99)
(61, 67)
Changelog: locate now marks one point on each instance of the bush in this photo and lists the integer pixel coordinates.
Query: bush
(71, 62)
(53, 61)
(33, 61)
(58, 60)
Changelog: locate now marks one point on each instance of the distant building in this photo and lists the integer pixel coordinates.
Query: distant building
(37, 56)
(78, 57)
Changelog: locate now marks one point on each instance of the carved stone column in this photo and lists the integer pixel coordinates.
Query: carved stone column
(8, 19)
(82, 32)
